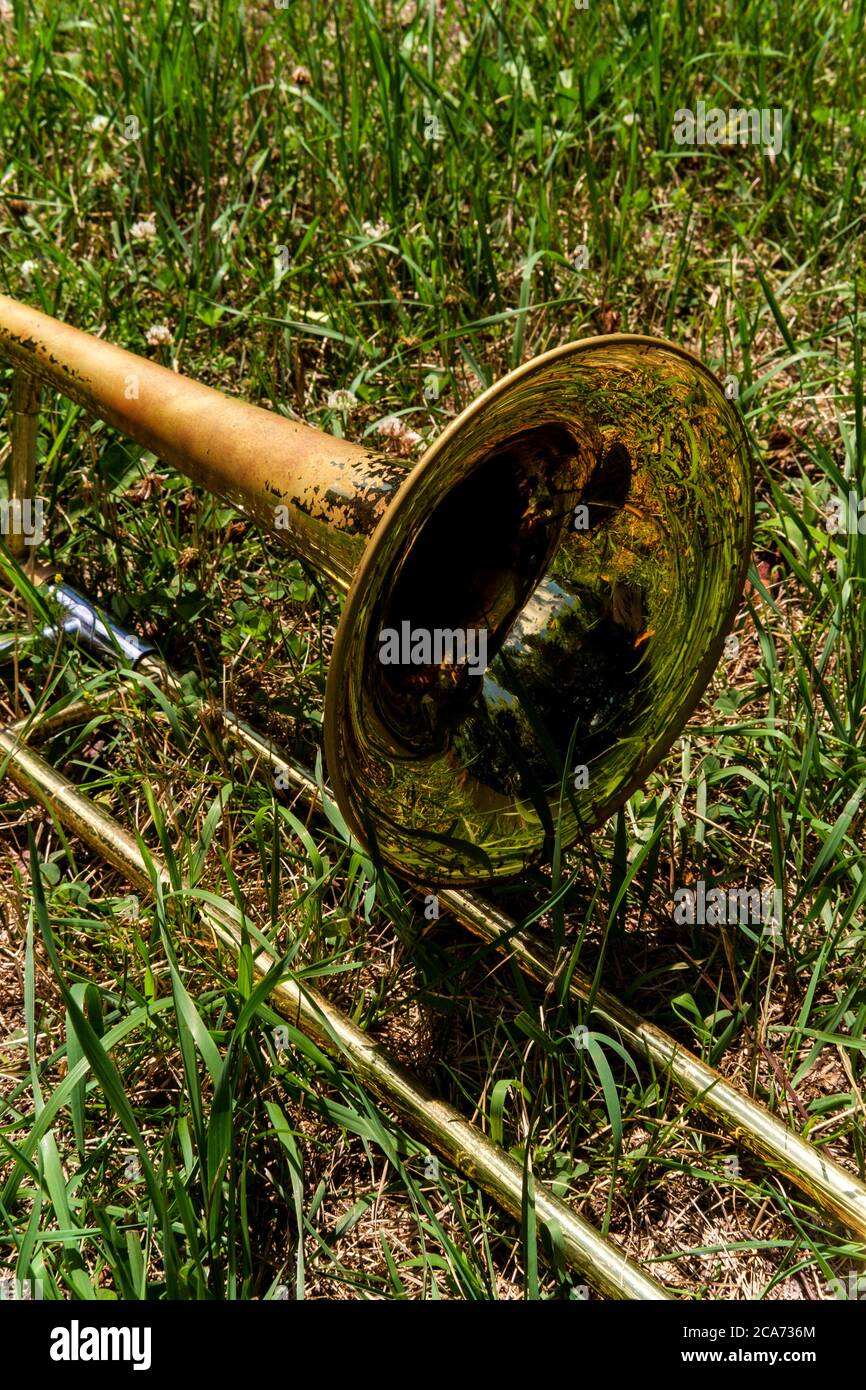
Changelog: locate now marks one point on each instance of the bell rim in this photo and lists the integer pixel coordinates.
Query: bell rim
(367, 576)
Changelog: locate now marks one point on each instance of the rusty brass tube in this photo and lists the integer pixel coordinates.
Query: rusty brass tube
(462, 1144)
(321, 495)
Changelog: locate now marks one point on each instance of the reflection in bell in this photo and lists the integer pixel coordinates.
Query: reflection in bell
(602, 641)
(626, 608)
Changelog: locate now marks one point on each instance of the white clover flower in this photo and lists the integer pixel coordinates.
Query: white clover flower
(376, 230)
(28, 268)
(342, 400)
(99, 124)
(144, 230)
(157, 334)
(393, 428)
(389, 427)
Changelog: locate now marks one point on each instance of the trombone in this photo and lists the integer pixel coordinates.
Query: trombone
(615, 482)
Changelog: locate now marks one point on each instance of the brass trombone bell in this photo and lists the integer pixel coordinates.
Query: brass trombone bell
(583, 528)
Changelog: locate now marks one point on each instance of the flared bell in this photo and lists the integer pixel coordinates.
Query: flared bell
(539, 610)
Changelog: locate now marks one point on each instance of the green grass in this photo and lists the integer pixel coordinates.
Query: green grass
(409, 260)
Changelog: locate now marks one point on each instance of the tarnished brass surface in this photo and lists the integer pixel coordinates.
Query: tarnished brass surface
(462, 1144)
(601, 637)
(321, 495)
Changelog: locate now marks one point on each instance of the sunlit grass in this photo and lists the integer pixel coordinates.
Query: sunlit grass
(365, 199)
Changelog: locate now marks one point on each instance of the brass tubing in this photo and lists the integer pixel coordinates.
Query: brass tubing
(748, 1122)
(462, 1144)
(321, 495)
(50, 721)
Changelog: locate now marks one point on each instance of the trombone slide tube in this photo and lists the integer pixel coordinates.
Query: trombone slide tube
(462, 1144)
